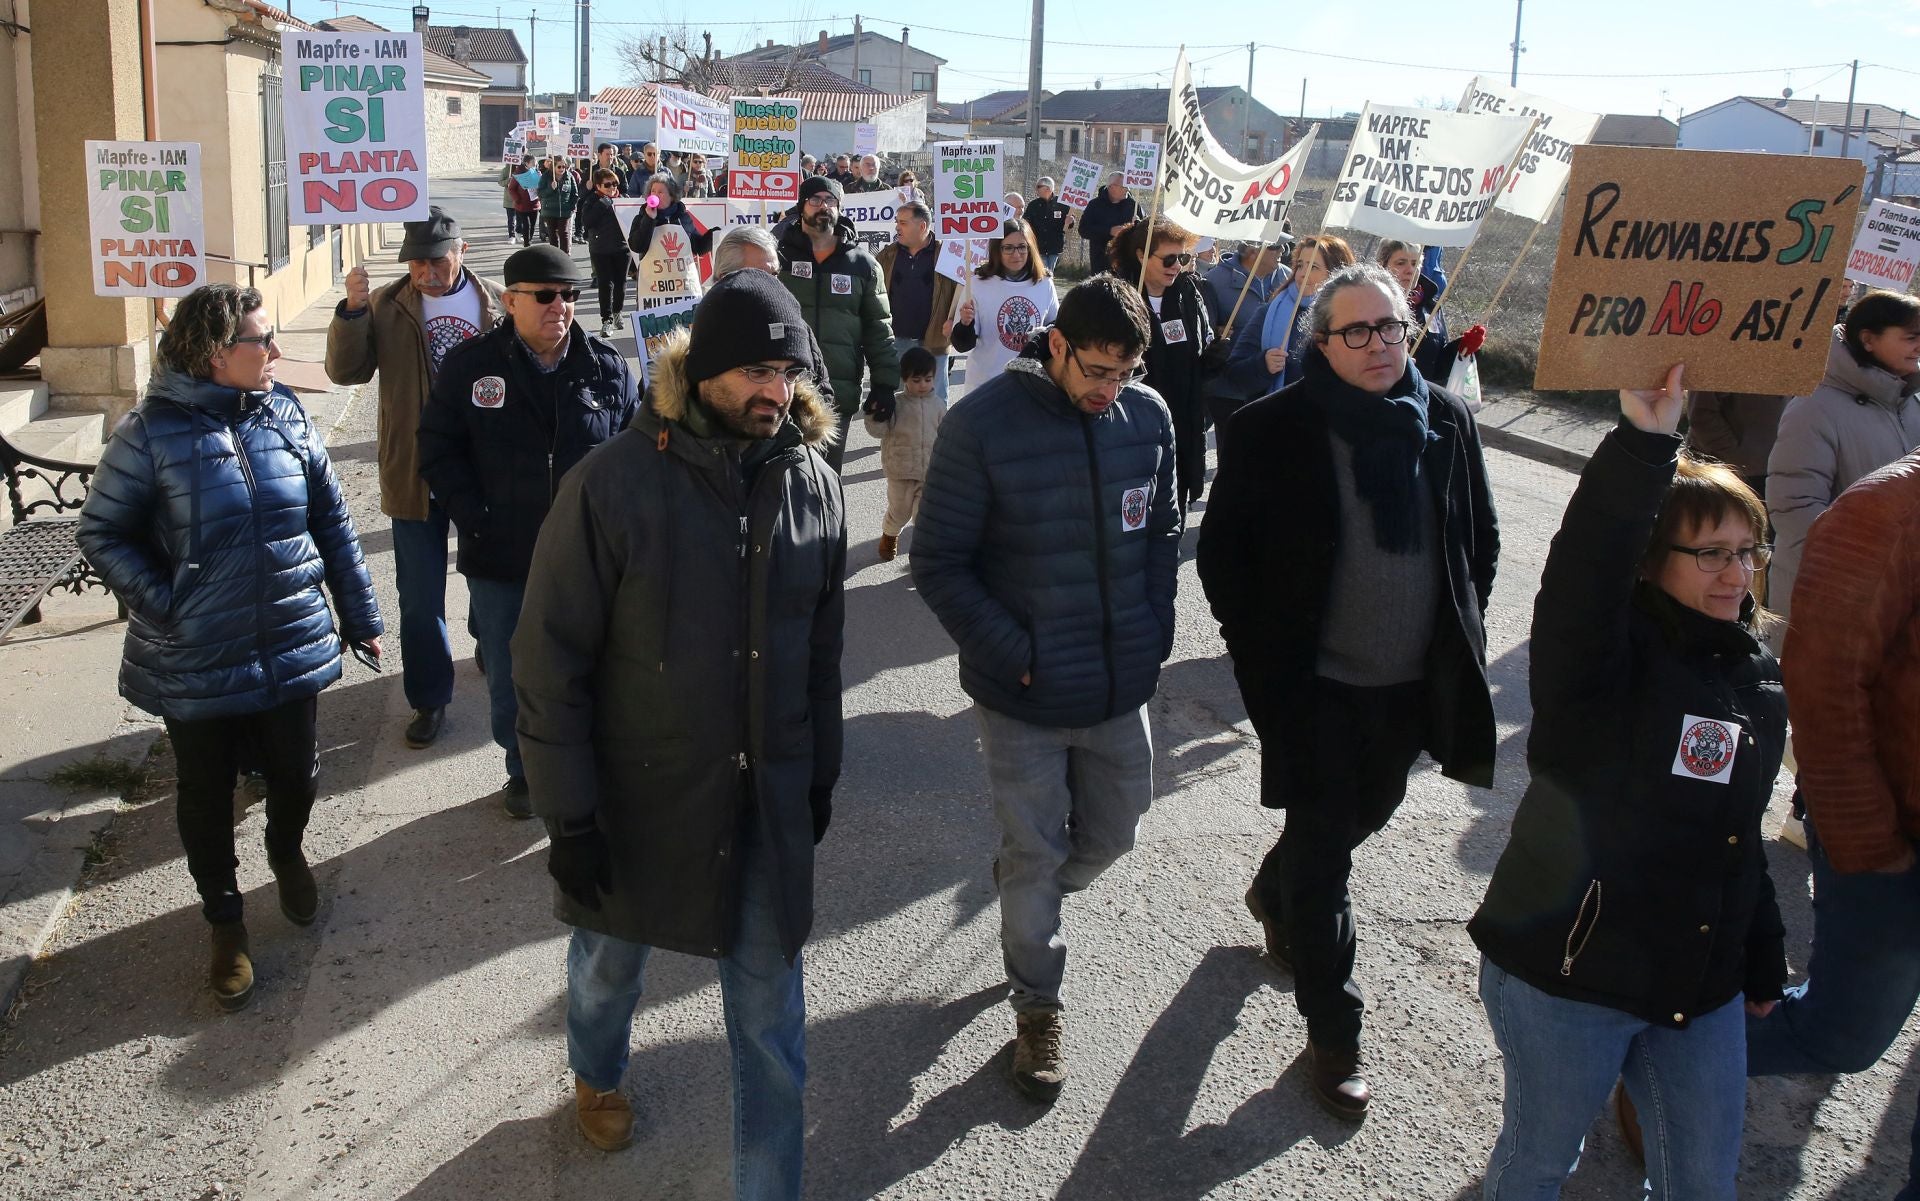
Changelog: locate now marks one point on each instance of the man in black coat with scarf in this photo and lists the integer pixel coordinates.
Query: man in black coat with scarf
(1348, 553)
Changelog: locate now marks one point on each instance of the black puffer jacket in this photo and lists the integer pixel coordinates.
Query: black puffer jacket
(1635, 876)
(498, 434)
(215, 516)
(602, 226)
(1048, 542)
(678, 665)
(1177, 370)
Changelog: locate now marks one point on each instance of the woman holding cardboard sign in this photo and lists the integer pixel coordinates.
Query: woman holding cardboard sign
(1630, 925)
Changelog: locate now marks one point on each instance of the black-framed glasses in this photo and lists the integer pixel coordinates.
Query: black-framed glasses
(1181, 259)
(820, 200)
(1715, 559)
(1015, 248)
(1104, 376)
(270, 338)
(1392, 333)
(760, 375)
(548, 295)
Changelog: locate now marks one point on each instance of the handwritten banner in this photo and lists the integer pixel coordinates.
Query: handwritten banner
(1078, 185)
(765, 148)
(967, 191)
(355, 111)
(691, 123)
(147, 224)
(1730, 263)
(1423, 175)
(866, 139)
(1542, 169)
(1207, 190)
(1888, 247)
(1142, 164)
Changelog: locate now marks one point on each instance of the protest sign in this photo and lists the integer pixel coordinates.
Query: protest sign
(1424, 175)
(147, 224)
(1142, 164)
(668, 288)
(355, 112)
(872, 214)
(866, 139)
(595, 116)
(955, 254)
(512, 151)
(766, 149)
(1207, 190)
(967, 189)
(1542, 169)
(1079, 183)
(580, 143)
(1725, 262)
(691, 123)
(544, 124)
(1888, 247)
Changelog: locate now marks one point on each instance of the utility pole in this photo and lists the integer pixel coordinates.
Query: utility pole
(576, 50)
(1246, 110)
(533, 54)
(1846, 126)
(1513, 77)
(586, 48)
(856, 48)
(1034, 45)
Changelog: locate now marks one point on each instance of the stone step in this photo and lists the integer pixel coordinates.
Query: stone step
(71, 437)
(21, 403)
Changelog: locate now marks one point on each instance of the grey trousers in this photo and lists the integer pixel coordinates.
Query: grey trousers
(1068, 802)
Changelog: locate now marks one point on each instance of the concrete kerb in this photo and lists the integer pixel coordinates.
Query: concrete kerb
(1555, 433)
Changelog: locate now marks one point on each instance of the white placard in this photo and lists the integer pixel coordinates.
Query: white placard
(691, 123)
(866, 139)
(145, 217)
(1888, 248)
(1142, 164)
(1542, 171)
(765, 149)
(967, 190)
(1080, 183)
(1424, 175)
(355, 109)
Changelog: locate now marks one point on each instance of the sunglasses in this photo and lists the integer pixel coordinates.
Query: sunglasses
(269, 338)
(1170, 260)
(548, 295)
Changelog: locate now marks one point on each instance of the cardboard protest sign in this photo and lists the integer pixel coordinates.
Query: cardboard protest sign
(1142, 164)
(1423, 175)
(693, 124)
(872, 214)
(1729, 263)
(1888, 247)
(146, 223)
(1207, 190)
(766, 149)
(866, 138)
(1080, 182)
(355, 111)
(1542, 169)
(967, 189)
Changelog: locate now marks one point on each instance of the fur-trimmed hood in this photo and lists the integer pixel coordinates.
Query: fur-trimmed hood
(669, 395)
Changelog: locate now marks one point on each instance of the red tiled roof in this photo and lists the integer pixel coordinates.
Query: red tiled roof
(814, 106)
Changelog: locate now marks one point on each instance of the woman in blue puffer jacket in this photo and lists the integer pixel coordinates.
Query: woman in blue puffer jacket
(215, 515)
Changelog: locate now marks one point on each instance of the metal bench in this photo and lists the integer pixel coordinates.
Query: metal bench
(39, 553)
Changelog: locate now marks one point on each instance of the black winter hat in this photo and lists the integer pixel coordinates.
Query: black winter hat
(433, 238)
(746, 317)
(542, 265)
(819, 183)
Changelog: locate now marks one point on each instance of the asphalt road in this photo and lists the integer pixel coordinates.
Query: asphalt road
(409, 1044)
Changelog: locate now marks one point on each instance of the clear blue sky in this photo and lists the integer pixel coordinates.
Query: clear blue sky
(1634, 56)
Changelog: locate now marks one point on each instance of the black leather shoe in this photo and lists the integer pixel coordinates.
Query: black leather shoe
(514, 796)
(425, 726)
(480, 659)
(299, 892)
(1336, 1082)
(1277, 948)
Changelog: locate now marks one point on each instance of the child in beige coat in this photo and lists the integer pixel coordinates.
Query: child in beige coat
(906, 430)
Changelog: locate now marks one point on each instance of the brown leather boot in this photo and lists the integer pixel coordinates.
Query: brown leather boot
(605, 1118)
(1038, 1066)
(889, 547)
(1336, 1082)
(1277, 948)
(231, 972)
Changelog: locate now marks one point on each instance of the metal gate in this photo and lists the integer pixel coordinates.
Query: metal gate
(275, 135)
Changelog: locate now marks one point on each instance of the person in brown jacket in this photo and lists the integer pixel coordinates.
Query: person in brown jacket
(1735, 428)
(1852, 669)
(918, 296)
(403, 332)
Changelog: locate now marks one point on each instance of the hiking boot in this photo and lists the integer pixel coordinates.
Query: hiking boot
(1277, 948)
(514, 797)
(1337, 1085)
(1629, 1119)
(299, 895)
(231, 972)
(889, 547)
(425, 726)
(605, 1117)
(1038, 1067)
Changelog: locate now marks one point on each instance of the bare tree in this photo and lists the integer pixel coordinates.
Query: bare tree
(674, 53)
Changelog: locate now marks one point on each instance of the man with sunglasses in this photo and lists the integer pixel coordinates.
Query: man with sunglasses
(404, 332)
(511, 412)
(1048, 543)
(1348, 552)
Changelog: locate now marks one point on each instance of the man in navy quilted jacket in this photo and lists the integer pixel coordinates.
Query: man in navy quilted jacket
(1048, 544)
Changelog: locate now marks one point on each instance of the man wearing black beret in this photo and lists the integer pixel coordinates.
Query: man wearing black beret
(678, 666)
(510, 412)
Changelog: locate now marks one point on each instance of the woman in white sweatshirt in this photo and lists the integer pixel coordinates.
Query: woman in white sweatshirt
(1011, 298)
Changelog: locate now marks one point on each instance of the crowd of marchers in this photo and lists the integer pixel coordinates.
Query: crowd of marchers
(655, 556)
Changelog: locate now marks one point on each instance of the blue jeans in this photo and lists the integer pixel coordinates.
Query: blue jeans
(1052, 261)
(420, 576)
(765, 1008)
(1068, 802)
(495, 612)
(902, 345)
(1862, 979)
(1561, 1060)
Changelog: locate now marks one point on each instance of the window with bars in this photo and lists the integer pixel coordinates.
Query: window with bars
(279, 235)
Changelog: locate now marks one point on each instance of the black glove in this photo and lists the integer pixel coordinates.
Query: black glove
(1214, 357)
(820, 796)
(879, 405)
(582, 867)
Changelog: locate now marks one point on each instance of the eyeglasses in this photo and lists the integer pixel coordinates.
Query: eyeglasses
(1392, 333)
(548, 295)
(1103, 375)
(820, 200)
(270, 338)
(1170, 260)
(760, 375)
(1714, 559)
(1014, 248)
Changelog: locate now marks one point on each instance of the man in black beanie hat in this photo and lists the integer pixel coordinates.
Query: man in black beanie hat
(701, 554)
(511, 412)
(843, 293)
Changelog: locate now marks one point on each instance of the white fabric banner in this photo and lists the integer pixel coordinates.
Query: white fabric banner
(1424, 175)
(693, 123)
(1543, 169)
(355, 110)
(146, 219)
(1207, 190)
